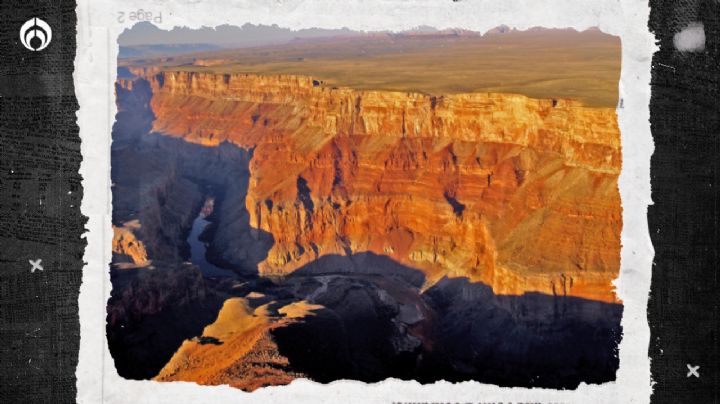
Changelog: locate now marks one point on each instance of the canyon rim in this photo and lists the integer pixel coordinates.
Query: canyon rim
(426, 205)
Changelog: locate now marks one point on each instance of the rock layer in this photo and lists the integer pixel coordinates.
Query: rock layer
(518, 193)
(126, 246)
(236, 349)
(369, 327)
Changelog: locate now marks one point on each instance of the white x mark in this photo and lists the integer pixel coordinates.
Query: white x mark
(693, 371)
(35, 265)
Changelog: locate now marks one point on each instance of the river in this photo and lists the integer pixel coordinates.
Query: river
(198, 249)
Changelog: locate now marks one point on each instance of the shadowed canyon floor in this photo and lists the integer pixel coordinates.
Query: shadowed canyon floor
(269, 227)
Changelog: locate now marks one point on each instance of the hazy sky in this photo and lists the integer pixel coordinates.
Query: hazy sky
(145, 33)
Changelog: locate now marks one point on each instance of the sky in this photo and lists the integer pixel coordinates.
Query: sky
(145, 33)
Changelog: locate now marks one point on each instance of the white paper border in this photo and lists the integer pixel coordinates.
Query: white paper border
(95, 67)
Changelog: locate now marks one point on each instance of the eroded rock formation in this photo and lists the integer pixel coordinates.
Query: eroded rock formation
(374, 234)
(236, 349)
(518, 193)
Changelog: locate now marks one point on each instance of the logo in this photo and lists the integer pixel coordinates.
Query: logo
(35, 34)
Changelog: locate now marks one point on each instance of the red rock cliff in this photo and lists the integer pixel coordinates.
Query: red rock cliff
(515, 192)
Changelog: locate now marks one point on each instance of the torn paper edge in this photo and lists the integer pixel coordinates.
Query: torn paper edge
(95, 71)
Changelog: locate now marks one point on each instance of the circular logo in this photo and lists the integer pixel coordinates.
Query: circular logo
(35, 34)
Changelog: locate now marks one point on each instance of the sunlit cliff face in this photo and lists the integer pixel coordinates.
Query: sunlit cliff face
(518, 193)
(360, 234)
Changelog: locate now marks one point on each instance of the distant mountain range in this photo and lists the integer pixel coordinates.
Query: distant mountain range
(139, 51)
(146, 40)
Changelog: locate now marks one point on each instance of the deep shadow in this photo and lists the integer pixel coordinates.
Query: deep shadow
(203, 340)
(374, 327)
(530, 340)
(376, 321)
(151, 312)
(162, 183)
(364, 263)
(457, 207)
(361, 333)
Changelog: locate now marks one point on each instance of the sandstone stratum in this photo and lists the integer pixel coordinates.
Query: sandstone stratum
(517, 193)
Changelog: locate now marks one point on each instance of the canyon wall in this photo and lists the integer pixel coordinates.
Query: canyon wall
(518, 193)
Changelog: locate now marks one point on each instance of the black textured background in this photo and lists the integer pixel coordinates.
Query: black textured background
(40, 196)
(40, 157)
(683, 309)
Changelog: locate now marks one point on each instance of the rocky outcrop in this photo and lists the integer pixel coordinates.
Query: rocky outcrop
(151, 312)
(518, 193)
(236, 349)
(371, 326)
(127, 248)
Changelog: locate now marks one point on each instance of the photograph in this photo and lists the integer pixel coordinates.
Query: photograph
(359, 202)
(426, 205)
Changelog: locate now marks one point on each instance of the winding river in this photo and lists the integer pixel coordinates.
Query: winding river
(198, 248)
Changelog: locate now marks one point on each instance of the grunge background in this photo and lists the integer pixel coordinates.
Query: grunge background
(40, 196)
(41, 193)
(684, 116)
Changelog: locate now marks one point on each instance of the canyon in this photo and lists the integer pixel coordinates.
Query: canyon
(520, 194)
(360, 234)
